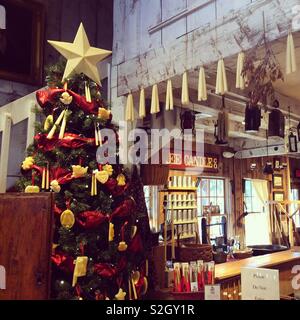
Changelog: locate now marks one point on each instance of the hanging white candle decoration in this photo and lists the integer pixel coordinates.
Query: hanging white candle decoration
(63, 126)
(169, 96)
(142, 106)
(129, 112)
(185, 99)
(221, 81)
(96, 135)
(202, 90)
(57, 123)
(47, 178)
(87, 92)
(94, 184)
(154, 100)
(291, 65)
(240, 80)
(99, 135)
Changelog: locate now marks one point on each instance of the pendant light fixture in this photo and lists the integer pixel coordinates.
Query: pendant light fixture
(293, 147)
(187, 120)
(268, 168)
(252, 118)
(276, 127)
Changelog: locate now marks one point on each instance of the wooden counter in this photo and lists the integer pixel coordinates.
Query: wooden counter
(229, 274)
(233, 269)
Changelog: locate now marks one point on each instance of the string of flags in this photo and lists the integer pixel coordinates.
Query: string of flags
(221, 86)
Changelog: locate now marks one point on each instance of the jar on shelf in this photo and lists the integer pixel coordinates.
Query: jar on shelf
(184, 181)
(179, 181)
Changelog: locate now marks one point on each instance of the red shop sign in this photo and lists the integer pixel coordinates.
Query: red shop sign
(208, 162)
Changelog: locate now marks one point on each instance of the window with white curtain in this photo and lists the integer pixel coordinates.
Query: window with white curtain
(211, 191)
(151, 199)
(257, 222)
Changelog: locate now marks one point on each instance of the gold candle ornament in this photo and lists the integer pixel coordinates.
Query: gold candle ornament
(154, 100)
(291, 65)
(87, 93)
(129, 112)
(96, 136)
(63, 126)
(169, 96)
(185, 99)
(142, 106)
(47, 178)
(240, 80)
(57, 122)
(43, 178)
(202, 90)
(99, 136)
(221, 80)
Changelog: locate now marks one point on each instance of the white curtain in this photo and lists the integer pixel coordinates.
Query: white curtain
(257, 225)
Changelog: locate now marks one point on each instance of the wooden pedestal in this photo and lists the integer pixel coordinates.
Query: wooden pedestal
(25, 244)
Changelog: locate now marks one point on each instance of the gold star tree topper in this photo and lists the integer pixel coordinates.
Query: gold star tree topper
(82, 58)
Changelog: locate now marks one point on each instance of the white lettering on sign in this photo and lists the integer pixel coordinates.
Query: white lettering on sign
(260, 284)
(212, 292)
(2, 278)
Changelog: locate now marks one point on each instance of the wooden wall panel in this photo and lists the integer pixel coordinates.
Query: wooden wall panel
(25, 245)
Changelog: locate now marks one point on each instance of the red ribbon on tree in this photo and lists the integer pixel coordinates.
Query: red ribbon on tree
(124, 210)
(63, 262)
(114, 189)
(62, 176)
(105, 270)
(57, 210)
(70, 140)
(136, 244)
(47, 98)
(91, 219)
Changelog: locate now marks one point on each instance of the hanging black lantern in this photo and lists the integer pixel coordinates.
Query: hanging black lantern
(187, 119)
(252, 118)
(276, 127)
(293, 143)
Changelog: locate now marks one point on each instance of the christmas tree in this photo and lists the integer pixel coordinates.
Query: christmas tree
(100, 242)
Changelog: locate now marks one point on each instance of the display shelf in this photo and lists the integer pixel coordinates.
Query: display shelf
(181, 208)
(186, 236)
(176, 222)
(181, 189)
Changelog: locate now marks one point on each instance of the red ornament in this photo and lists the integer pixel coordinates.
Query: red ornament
(91, 219)
(105, 270)
(124, 210)
(114, 189)
(48, 97)
(136, 244)
(62, 176)
(70, 140)
(63, 262)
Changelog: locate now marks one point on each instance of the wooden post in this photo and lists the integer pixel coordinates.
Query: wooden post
(30, 127)
(5, 151)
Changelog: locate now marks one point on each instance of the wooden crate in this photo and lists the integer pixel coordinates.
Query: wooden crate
(26, 222)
